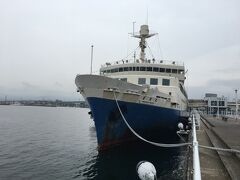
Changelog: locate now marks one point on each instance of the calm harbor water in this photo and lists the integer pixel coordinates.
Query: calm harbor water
(60, 143)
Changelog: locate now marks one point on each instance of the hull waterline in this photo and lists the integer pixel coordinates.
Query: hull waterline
(147, 120)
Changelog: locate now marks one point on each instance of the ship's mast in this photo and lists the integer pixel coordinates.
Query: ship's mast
(143, 35)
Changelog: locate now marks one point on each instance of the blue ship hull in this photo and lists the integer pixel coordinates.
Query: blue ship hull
(144, 119)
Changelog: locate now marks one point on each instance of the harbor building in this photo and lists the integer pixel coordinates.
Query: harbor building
(198, 104)
(232, 108)
(215, 104)
(210, 104)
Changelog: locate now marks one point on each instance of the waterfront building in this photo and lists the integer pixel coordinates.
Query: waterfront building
(216, 105)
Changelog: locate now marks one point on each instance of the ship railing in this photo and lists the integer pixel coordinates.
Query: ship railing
(147, 61)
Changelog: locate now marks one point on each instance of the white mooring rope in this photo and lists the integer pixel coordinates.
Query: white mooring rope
(140, 137)
(220, 149)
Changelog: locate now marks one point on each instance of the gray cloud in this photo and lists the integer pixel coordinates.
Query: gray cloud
(44, 44)
(57, 84)
(27, 85)
(228, 83)
(230, 70)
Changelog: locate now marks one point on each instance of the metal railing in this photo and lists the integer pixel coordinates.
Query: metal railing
(147, 61)
(196, 160)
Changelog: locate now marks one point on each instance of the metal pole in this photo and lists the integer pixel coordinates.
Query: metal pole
(133, 26)
(91, 58)
(236, 104)
(196, 161)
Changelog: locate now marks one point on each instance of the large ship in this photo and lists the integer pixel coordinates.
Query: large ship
(150, 94)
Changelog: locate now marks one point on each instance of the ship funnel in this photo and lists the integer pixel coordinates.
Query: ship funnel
(144, 31)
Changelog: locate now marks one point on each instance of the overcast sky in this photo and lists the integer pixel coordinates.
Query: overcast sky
(45, 43)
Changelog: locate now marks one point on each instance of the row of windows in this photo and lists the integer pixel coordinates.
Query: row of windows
(153, 81)
(150, 69)
(215, 103)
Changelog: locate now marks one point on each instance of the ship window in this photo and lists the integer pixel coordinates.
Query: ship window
(130, 68)
(168, 70)
(174, 71)
(124, 79)
(125, 69)
(155, 69)
(180, 71)
(142, 68)
(166, 82)
(153, 81)
(134, 68)
(162, 70)
(141, 80)
(108, 71)
(114, 70)
(120, 69)
(149, 68)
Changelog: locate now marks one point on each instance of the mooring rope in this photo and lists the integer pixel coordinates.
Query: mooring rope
(143, 139)
(220, 149)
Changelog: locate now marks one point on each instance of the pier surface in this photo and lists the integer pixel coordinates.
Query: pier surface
(223, 133)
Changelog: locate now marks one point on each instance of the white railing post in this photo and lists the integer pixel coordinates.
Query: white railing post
(196, 161)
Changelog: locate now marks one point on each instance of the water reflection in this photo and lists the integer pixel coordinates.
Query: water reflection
(120, 162)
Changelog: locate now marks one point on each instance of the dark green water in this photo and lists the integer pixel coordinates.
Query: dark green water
(60, 143)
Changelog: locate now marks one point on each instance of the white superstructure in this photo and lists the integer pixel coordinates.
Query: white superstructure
(157, 82)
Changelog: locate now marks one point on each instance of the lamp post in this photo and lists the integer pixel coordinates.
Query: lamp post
(236, 103)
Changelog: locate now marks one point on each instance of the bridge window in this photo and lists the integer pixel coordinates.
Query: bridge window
(142, 68)
(114, 70)
(123, 79)
(162, 70)
(149, 68)
(168, 70)
(166, 82)
(153, 81)
(125, 69)
(141, 80)
(180, 71)
(120, 69)
(137, 68)
(155, 69)
(130, 68)
(174, 71)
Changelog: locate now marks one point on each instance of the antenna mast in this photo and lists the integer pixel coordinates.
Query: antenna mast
(91, 58)
(133, 27)
(143, 35)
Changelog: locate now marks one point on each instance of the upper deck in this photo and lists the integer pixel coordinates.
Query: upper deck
(148, 67)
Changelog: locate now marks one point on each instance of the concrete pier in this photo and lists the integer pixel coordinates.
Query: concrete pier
(222, 133)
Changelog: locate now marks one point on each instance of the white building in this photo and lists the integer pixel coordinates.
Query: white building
(216, 105)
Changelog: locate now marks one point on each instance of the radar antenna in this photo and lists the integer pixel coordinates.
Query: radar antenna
(143, 35)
